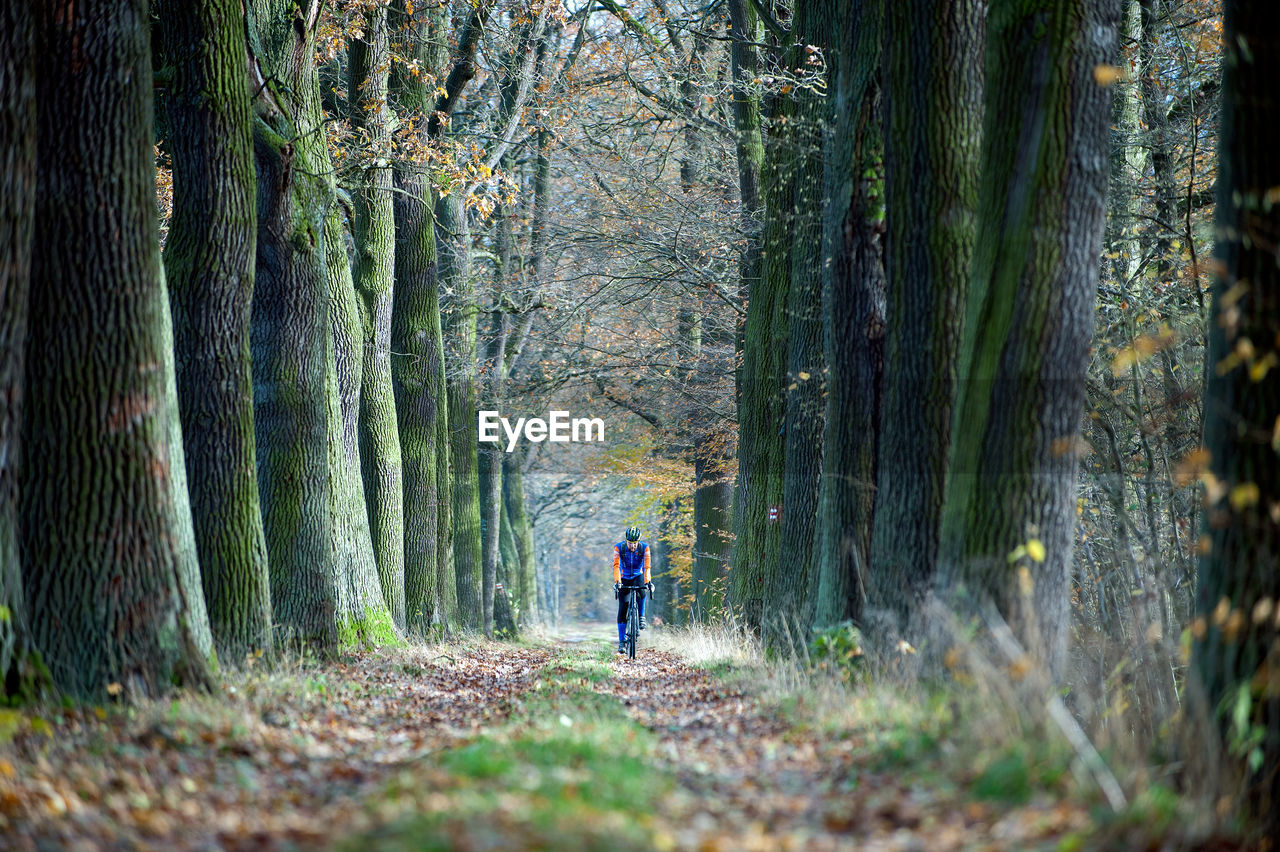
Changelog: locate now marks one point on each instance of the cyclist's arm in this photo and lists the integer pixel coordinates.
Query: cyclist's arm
(646, 564)
(617, 572)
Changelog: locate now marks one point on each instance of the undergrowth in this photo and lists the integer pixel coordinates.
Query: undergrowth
(984, 730)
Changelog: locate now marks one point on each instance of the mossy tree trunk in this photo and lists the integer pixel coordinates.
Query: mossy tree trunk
(289, 342)
(362, 612)
(453, 235)
(933, 109)
(790, 581)
(492, 391)
(762, 405)
(453, 242)
(525, 584)
(209, 262)
(417, 338)
(17, 210)
(853, 315)
(108, 554)
(1029, 320)
(749, 149)
(308, 401)
(1236, 659)
(374, 227)
(508, 576)
(289, 327)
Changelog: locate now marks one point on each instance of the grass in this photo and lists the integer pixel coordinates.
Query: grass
(568, 770)
(579, 670)
(982, 736)
(560, 762)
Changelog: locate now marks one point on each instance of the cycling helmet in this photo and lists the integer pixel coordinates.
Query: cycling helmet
(633, 533)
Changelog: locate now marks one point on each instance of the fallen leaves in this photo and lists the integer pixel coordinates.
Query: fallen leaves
(498, 746)
(274, 761)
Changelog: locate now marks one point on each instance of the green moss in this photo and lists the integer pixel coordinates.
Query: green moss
(375, 628)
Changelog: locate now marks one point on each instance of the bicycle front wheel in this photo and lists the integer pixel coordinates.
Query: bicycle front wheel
(633, 630)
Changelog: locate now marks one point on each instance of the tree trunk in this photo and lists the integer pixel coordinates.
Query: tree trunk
(209, 263)
(713, 524)
(522, 535)
(489, 480)
(489, 456)
(789, 581)
(335, 597)
(744, 28)
(289, 328)
(508, 571)
(1235, 658)
(665, 603)
(454, 238)
(17, 209)
(762, 406)
(1029, 321)
(374, 227)
(853, 317)
(363, 615)
(1155, 112)
(1128, 163)
(417, 369)
(932, 112)
(108, 552)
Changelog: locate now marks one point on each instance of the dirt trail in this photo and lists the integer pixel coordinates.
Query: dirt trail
(749, 780)
(745, 781)
(372, 747)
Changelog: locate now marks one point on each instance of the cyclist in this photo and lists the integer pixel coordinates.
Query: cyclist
(630, 570)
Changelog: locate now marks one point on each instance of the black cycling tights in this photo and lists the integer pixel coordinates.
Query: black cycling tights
(622, 603)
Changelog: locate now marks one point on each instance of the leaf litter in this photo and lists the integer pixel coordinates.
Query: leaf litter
(493, 746)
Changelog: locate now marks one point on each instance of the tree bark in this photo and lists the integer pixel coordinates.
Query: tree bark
(744, 29)
(492, 390)
(417, 368)
(209, 263)
(853, 316)
(453, 236)
(508, 576)
(17, 215)
(453, 241)
(1155, 112)
(1235, 659)
(790, 581)
(762, 405)
(932, 112)
(1029, 322)
(374, 227)
(108, 552)
(522, 534)
(713, 525)
(307, 402)
(363, 615)
(289, 327)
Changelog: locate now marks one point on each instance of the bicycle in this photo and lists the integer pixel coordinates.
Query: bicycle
(633, 615)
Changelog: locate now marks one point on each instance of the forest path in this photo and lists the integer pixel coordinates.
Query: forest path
(750, 776)
(550, 745)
